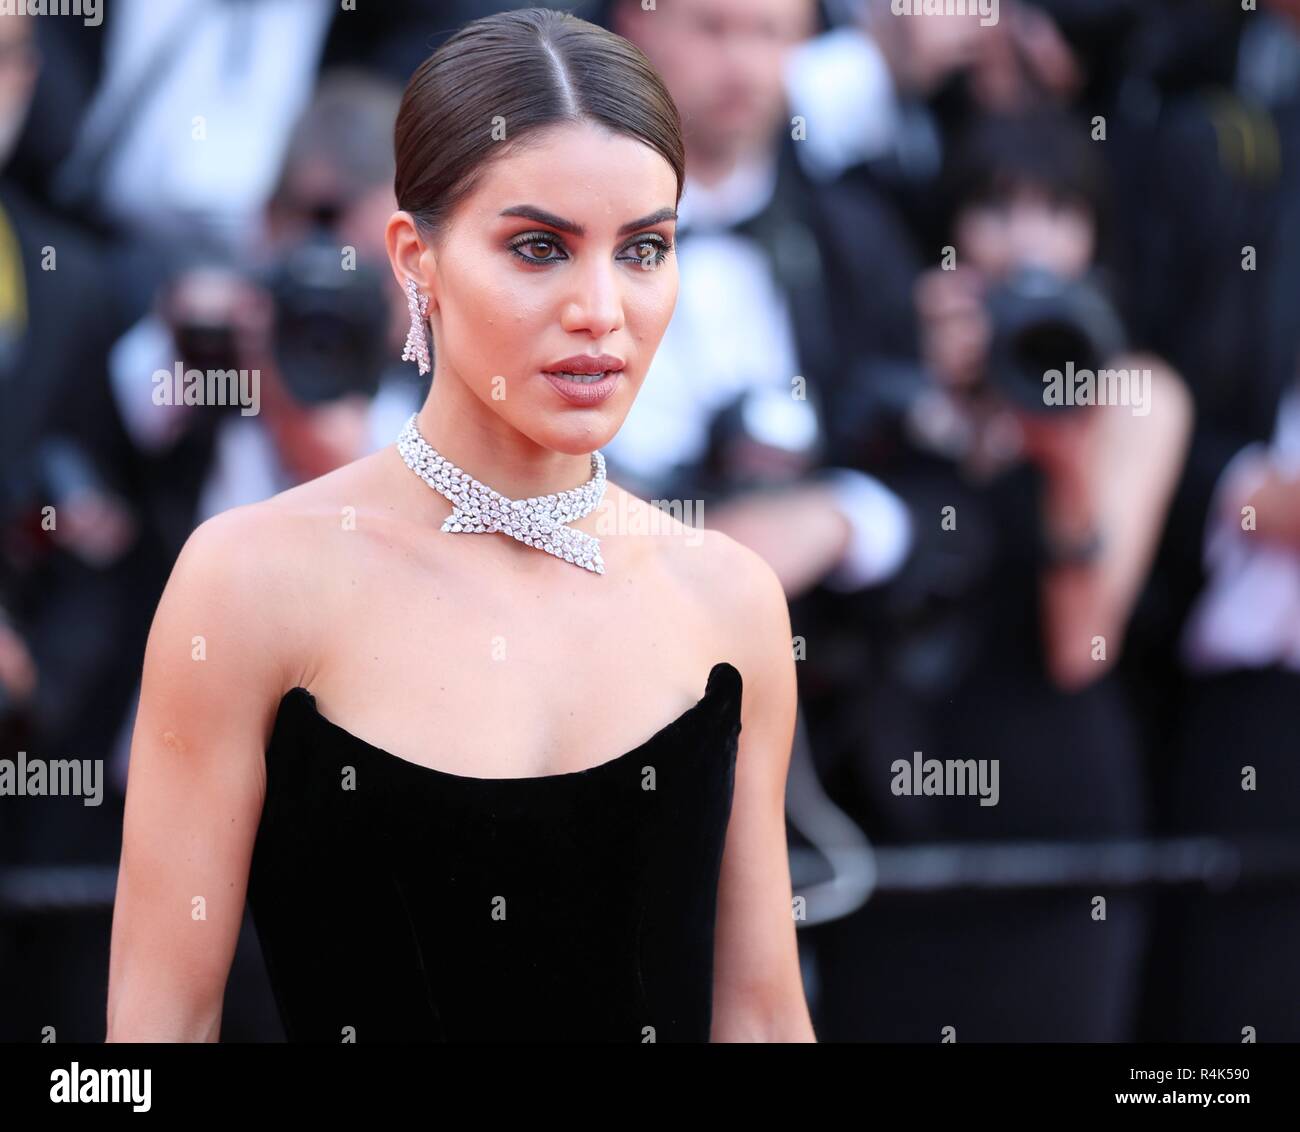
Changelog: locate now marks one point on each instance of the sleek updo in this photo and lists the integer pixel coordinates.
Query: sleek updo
(520, 71)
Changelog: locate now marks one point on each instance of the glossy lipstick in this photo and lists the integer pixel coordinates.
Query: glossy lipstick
(584, 379)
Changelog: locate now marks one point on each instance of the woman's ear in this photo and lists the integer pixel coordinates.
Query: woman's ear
(408, 254)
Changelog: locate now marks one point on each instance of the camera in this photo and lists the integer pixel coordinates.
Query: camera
(1040, 322)
(330, 323)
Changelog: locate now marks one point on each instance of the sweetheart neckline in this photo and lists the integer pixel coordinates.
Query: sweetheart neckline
(301, 695)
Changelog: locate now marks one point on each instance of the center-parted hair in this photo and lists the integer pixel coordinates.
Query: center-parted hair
(514, 74)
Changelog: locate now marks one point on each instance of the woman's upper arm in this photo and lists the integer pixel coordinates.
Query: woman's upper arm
(212, 680)
(758, 988)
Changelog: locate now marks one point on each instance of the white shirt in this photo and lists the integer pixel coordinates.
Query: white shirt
(206, 142)
(840, 85)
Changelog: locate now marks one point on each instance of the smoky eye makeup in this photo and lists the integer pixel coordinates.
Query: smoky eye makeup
(553, 245)
(661, 245)
(552, 249)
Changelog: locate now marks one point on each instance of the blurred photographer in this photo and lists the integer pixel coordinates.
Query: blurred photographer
(1023, 299)
(308, 328)
(1037, 501)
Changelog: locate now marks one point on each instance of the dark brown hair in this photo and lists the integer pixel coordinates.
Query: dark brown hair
(526, 69)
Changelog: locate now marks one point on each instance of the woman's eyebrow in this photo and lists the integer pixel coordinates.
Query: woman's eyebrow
(532, 212)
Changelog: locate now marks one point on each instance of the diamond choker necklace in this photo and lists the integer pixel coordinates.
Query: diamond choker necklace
(538, 522)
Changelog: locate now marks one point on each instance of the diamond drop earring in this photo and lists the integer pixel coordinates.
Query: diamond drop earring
(417, 338)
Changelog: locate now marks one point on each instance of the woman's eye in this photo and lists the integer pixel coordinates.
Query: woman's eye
(649, 253)
(546, 248)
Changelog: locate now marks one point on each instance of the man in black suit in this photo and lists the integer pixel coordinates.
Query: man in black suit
(794, 294)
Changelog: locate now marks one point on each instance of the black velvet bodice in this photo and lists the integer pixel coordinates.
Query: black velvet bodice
(396, 902)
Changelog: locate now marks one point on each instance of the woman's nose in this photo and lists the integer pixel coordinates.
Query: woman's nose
(596, 303)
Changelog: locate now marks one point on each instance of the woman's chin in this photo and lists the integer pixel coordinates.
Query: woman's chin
(576, 434)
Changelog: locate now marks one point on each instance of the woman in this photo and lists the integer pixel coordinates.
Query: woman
(484, 864)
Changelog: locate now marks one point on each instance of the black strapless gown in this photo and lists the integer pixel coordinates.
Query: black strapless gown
(424, 906)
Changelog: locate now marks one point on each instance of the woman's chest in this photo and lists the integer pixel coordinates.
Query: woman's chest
(494, 676)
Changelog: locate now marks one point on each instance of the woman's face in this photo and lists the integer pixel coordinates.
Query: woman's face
(563, 249)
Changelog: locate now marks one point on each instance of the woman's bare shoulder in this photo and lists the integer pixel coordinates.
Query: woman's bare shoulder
(282, 528)
(734, 584)
(262, 538)
(749, 616)
(746, 592)
(257, 570)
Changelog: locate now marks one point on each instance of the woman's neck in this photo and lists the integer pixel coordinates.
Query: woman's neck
(489, 448)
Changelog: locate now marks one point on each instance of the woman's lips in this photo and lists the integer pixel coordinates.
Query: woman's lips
(583, 392)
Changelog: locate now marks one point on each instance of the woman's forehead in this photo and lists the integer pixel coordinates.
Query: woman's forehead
(595, 176)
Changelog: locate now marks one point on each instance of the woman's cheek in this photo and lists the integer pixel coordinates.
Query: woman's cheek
(655, 310)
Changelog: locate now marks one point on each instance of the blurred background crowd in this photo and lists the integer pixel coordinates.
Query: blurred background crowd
(894, 225)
